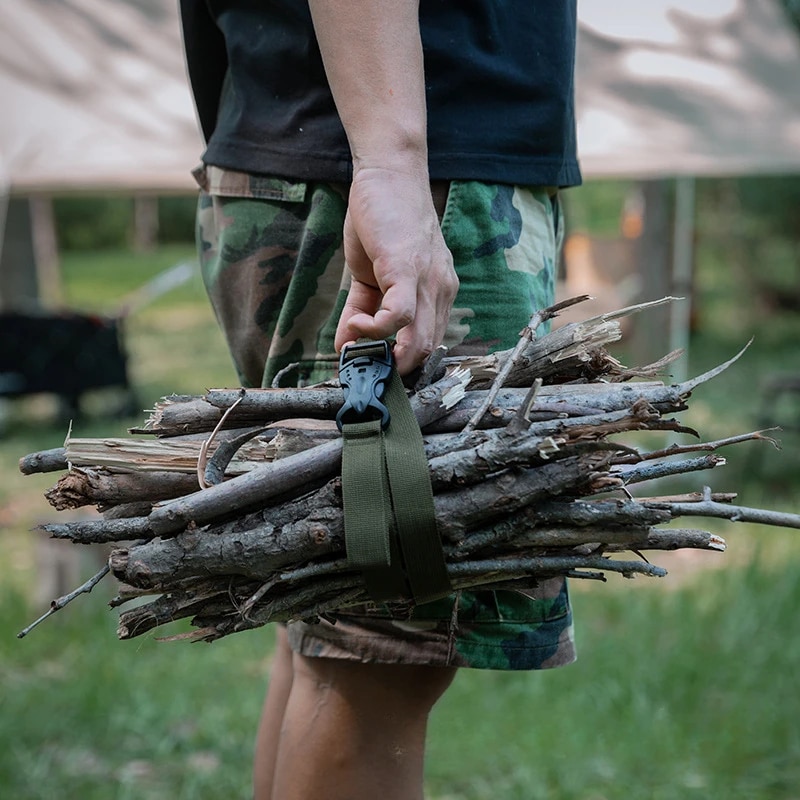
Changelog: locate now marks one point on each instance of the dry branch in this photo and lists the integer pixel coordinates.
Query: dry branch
(84, 486)
(521, 464)
(59, 603)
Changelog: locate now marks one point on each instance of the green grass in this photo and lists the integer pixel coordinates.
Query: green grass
(684, 688)
(84, 716)
(676, 694)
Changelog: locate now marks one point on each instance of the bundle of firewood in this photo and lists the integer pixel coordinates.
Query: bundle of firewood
(228, 506)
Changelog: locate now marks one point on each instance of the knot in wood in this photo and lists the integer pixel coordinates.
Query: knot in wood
(642, 410)
(319, 533)
(190, 539)
(138, 573)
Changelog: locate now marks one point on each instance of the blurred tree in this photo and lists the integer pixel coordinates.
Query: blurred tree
(793, 9)
(771, 203)
(754, 223)
(90, 223)
(176, 219)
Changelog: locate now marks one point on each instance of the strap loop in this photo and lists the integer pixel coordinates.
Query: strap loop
(390, 523)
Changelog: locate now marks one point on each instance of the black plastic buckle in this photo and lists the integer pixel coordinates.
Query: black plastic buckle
(364, 372)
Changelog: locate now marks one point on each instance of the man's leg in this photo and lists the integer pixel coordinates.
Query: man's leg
(269, 728)
(354, 731)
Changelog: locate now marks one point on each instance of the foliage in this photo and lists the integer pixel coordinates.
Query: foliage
(769, 203)
(88, 223)
(596, 207)
(100, 222)
(793, 10)
(176, 219)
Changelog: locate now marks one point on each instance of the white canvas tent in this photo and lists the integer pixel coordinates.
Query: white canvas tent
(684, 89)
(96, 98)
(687, 87)
(95, 95)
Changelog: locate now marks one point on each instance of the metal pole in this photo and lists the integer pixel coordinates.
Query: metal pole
(5, 198)
(682, 269)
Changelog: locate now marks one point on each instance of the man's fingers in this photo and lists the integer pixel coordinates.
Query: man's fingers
(403, 283)
(369, 314)
(380, 325)
(417, 341)
(418, 314)
(362, 302)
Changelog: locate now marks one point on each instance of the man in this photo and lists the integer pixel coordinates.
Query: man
(346, 131)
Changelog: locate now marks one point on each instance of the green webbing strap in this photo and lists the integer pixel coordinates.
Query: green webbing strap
(390, 525)
(366, 495)
(412, 498)
(367, 510)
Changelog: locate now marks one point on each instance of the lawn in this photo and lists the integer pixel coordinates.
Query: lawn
(685, 687)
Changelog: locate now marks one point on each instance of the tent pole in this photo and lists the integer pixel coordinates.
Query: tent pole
(45, 251)
(5, 198)
(682, 269)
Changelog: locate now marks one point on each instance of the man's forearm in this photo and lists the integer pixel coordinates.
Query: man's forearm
(373, 59)
(402, 277)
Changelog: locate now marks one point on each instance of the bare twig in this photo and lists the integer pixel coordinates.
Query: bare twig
(98, 531)
(522, 418)
(57, 605)
(202, 458)
(649, 370)
(429, 368)
(526, 335)
(687, 387)
(44, 461)
(649, 472)
(676, 449)
(709, 508)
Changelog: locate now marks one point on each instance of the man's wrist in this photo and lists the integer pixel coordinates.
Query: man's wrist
(398, 150)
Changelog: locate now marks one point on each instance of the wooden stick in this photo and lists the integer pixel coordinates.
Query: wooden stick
(672, 539)
(709, 508)
(53, 460)
(528, 334)
(649, 472)
(676, 449)
(58, 604)
(83, 486)
(99, 531)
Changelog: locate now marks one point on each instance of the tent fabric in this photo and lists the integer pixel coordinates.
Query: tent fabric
(681, 87)
(96, 98)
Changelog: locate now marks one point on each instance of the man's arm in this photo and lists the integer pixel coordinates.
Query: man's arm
(403, 277)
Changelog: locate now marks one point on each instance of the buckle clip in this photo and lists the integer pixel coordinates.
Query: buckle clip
(364, 372)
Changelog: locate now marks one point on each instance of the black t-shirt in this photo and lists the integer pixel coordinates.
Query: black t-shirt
(499, 84)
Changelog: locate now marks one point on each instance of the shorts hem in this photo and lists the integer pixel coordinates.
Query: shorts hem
(554, 649)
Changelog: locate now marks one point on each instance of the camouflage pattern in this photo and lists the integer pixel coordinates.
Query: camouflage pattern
(482, 630)
(271, 256)
(272, 261)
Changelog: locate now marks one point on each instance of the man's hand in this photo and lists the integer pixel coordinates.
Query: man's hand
(403, 280)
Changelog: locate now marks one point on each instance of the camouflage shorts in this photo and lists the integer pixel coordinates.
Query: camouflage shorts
(271, 255)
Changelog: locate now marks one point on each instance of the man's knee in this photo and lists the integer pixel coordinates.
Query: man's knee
(411, 688)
